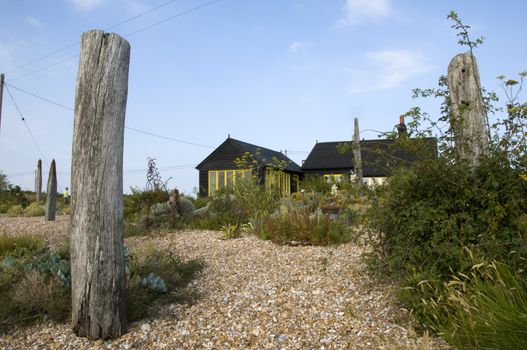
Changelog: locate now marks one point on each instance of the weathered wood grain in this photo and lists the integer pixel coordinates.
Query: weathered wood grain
(357, 153)
(97, 250)
(468, 120)
(38, 181)
(51, 193)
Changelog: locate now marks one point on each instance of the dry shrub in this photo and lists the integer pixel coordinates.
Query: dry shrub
(34, 291)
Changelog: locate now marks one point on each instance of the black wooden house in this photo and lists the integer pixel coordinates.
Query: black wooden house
(333, 160)
(221, 170)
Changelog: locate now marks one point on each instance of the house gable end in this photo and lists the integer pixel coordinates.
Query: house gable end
(222, 157)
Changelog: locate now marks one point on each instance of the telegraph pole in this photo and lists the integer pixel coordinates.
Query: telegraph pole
(1, 94)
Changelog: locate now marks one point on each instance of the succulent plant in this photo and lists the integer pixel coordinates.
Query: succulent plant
(154, 282)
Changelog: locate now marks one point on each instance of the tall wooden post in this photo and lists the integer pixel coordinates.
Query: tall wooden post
(51, 193)
(468, 119)
(357, 153)
(2, 77)
(38, 181)
(97, 226)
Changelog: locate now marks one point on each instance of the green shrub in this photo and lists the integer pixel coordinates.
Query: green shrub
(225, 208)
(433, 222)
(35, 282)
(315, 183)
(158, 277)
(185, 206)
(12, 195)
(201, 202)
(426, 217)
(15, 210)
(139, 202)
(20, 245)
(34, 209)
(303, 227)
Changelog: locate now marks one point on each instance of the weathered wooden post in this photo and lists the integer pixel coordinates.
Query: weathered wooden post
(38, 181)
(51, 193)
(468, 119)
(97, 249)
(2, 77)
(357, 153)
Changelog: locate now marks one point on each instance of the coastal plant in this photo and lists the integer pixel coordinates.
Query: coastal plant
(34, 281)
(231, 231)
(425, 219)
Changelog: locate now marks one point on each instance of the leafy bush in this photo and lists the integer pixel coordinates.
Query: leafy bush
(186, 206)
(35, 282)
(302, 226)
(15, 210)
(11, 195)
(34, 209)
(427, 216)
(20, 245)
(201, 202)
(158, 277)
(30, 284)
(225, 208)
(139, 202)
(315, 183)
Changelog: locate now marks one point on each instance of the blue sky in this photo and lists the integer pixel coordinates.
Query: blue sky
(276, 73)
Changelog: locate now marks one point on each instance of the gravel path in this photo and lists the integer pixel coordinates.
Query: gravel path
(256, 295)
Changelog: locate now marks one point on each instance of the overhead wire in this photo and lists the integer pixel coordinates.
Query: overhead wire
(167, 138)
(29, 131)
(130, 171)
(180, 14)
(78, 42)
(44, 68)
(75, 56)
(126, 127)
(40, 97)
(172, 17)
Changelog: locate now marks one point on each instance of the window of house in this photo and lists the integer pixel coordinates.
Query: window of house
(219, 179)
(333, 178)
(278, 180)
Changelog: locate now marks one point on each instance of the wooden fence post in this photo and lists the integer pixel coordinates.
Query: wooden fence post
(38, 181)
(357, 153)
(51, 193)
(468, 119)
(97, 247)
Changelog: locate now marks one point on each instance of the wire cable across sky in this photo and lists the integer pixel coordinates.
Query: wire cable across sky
(149, 26)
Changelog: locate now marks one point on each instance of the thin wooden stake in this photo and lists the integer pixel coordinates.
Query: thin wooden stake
(38, 181)
(51, 193)
(357, 153)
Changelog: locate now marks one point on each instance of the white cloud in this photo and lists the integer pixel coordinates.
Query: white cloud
(298, 46)
(390, 68)
(86, 5)
(356, 11)
(32, 21)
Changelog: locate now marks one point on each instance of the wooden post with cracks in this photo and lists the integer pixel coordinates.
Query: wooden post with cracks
(468, 120)
(357, 153)
(2, 78)
(97, 247)
(51, 193)
(38, 181)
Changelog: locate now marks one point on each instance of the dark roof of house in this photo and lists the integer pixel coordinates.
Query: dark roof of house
(378, 156)
(262, 154)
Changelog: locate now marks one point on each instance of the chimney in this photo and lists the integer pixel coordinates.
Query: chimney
(401, 127)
